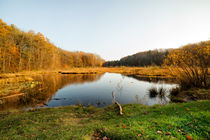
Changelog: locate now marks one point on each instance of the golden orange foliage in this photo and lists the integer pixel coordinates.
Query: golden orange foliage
(190, 64)
(30, 51)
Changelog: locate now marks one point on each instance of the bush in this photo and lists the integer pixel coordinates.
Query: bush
(190, 64)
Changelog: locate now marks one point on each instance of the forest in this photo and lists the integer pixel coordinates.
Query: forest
(146, 58)
(195, 51)
(26, 51)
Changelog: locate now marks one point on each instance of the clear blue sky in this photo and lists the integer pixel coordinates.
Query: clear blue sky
(112, 28)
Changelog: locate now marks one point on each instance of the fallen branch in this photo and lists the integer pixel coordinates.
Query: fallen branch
(114, 101)
(11, 96)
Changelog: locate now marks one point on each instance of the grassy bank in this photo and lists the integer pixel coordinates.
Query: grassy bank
(179, 121)
(12, 86)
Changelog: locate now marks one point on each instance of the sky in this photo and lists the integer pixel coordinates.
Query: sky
(112, 28)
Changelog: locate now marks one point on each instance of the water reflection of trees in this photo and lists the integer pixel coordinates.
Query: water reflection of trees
(48, 85)
(154, 79)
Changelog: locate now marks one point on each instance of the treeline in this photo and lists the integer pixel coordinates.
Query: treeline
(147, 58)
(21, 50)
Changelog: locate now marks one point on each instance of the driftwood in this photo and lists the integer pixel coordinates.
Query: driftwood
(114, 101)
(66, 72)
(11, 96)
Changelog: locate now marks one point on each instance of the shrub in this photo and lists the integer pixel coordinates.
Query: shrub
(190, 64)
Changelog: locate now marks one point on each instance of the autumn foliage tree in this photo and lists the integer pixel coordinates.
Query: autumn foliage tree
(190, 64)
(21, 50)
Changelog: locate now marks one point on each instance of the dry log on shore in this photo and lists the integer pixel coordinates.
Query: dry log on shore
(63, 72)
(120, 107)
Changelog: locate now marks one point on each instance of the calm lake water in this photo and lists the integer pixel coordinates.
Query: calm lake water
(89, 89)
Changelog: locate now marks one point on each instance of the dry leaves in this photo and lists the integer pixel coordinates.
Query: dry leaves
(139, 135)
(189, 137)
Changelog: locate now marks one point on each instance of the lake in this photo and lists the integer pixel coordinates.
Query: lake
(56, 90)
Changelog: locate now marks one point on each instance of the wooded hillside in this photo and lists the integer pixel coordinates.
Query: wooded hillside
(147, 58)
(157, 57)
(21, 50)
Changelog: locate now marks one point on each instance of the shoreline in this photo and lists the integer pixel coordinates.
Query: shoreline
(12, 84)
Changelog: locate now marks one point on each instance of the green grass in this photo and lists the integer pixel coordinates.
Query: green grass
(138, 121)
